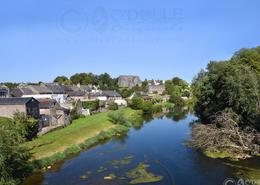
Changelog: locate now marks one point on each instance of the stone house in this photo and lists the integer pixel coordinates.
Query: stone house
(29, 106)
(156, 89)
(112, 95)
(52, 114)
(128, 81)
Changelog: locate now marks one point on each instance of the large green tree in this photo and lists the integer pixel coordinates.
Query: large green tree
(62, 80)
(228, 85)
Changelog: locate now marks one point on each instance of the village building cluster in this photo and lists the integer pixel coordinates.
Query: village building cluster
(51, 103)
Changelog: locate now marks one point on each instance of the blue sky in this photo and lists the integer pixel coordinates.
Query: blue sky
(42, 39)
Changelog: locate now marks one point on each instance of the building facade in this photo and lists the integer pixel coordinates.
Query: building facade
(10, 106)
(129, 81)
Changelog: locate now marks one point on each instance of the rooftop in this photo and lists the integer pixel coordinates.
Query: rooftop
(15, 101)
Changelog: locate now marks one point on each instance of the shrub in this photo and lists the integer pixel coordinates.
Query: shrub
(28, 126)
(118, 118)
(113, 106)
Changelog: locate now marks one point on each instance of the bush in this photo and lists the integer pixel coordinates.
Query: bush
(118, 118)
(113, 106)
(137, 103)
(28, 126)
(92, 105)
(177, 100)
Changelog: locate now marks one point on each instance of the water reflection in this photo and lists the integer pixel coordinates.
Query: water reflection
(154, 140)
(178, 114)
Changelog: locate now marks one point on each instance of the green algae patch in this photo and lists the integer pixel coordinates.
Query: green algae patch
(112, 175)
(115, 163)
(220, 155)
(127, 160)
(101, 169)
(140, 175)
(249, 173)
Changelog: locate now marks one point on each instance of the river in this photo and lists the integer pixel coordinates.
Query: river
(159, 143)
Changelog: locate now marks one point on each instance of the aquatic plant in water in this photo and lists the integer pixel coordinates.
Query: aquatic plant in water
(101, 169)
(140, 175)
(125, 161)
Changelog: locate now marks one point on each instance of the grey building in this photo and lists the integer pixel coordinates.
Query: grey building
(129, 81)
(29, 106)
(156, 89)
(52, 114)
(112, 95)
(4, 91)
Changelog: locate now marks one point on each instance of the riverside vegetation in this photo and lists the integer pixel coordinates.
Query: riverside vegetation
(228, 105)
(45, 150)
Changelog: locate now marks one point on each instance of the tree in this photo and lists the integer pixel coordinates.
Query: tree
(179, 82)
(249, 57)
(137, 103)
(82, 78)
(177, 100)
(147, 107)
(105, 81)
(228, 85)
(62, 80)
(92, 105)
(28, 126)
(14, 158)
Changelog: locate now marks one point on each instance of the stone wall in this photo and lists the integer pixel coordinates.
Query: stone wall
(9, 110)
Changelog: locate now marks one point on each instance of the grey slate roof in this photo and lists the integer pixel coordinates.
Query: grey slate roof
(19, 92)
(111, 94)
(56, 89)
(85, 88)
(26, 91)
(15, 101)
(47, 103)
(39, 89)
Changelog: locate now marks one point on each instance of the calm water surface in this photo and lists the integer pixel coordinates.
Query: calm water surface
(159, 143)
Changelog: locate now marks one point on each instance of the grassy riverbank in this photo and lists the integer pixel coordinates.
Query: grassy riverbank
(81, 134)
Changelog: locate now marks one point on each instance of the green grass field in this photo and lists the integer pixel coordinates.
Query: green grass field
(78, 132)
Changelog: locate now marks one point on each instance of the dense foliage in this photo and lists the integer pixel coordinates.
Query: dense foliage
(177, 88)
(14, 158)
(28, 126)
(104, 81)
(228, 85)
(149, 107)
(62, 80)
(92, 105)
(228, 100)
(113, 106)
(119, 118)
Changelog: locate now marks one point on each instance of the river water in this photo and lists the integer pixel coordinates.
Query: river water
(158, 142)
